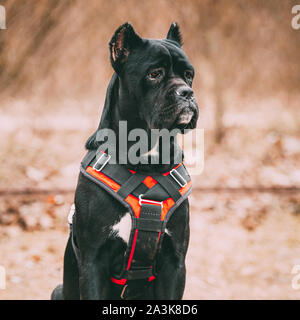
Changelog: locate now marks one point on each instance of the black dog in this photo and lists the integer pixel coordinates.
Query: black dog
(150, 89)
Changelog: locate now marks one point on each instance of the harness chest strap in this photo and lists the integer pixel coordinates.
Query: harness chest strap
(151, 199)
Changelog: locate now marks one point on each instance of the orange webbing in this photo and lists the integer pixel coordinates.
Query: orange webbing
(105, 179)
(149, 182)
(134, 203)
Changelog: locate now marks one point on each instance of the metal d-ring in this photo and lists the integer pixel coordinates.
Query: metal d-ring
(149, 201)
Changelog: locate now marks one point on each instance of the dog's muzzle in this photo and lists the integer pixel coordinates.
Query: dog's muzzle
(187, 106)
(185, 116)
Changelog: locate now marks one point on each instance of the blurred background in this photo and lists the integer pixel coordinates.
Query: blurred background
(245, 207)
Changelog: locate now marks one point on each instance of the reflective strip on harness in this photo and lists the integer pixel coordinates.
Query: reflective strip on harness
(105, 179)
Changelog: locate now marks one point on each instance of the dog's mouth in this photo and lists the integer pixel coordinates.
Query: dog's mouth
(176, 116)
(186, 119)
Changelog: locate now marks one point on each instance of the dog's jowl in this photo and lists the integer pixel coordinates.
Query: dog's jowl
(129, 228)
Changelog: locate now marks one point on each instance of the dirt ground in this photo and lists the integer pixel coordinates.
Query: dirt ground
(243, 245)
(226, 260)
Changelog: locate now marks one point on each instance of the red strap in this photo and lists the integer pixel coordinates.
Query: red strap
(122, 282)
(132, 249)
(118, 281)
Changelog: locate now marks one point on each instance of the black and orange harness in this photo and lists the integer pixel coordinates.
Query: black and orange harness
(150, 199)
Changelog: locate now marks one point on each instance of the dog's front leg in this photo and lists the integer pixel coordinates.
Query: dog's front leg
(93, 264)
(93, 281)
(93, 260)
(94, 214)
(170, 282)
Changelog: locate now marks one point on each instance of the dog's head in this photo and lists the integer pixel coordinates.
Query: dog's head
(156, 76)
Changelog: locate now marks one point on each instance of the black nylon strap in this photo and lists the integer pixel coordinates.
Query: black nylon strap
(150, 211)
(139, 273)
(117, 173)
(88, 158)
(149, 225)
(134, 291)
(170, 186)
(134, 181)
(114, 171)
(157, 193)
(141, 189)
(147, 240)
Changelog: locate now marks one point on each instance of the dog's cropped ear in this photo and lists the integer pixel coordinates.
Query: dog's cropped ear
(174, 34)
(123, 41)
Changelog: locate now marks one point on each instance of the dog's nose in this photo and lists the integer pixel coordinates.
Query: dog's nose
(185, 92)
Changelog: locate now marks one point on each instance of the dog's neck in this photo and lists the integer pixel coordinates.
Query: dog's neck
(120, 106)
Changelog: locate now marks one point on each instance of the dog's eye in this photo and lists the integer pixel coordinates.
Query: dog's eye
(156, 74)
(188, 75)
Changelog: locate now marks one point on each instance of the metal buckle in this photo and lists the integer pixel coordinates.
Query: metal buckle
(149, 201)
(104, 164)
(178, 175)
(123, 291)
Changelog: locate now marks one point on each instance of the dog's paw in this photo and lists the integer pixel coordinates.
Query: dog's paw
(57, 293)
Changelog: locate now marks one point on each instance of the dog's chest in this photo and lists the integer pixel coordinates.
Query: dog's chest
(122, 228)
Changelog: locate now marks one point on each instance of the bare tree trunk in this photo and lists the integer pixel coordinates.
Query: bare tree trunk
(49, 22)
